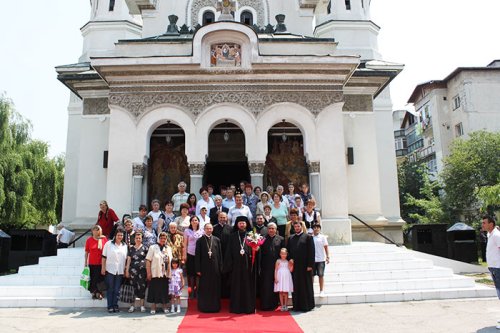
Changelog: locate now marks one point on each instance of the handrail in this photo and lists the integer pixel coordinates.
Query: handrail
(78, 238)
(377, 232)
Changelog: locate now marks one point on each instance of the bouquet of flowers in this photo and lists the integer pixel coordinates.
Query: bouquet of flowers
(254, 240)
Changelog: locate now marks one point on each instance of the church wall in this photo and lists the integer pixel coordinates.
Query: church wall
(92, 176)
(363, 175)
(298, 21)
(389, 191)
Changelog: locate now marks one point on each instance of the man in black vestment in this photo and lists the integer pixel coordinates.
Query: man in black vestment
(301, 251)
(222, 231)
(238, 260)
(269, 254)
(208, 264)
(260, 227)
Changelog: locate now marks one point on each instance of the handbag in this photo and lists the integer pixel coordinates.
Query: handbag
(127, 292)
(85, 278)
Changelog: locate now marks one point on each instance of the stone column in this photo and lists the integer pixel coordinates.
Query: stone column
(138, 172)
(314, 181)
(257, 173)
(196, 171)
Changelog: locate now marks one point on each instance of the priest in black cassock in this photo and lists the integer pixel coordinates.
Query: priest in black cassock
(269, 254)
(208, 264)
(238, 260)
(301, 251)
(222, 231)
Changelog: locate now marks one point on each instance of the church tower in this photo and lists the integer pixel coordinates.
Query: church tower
(109, 22)
(349, 22)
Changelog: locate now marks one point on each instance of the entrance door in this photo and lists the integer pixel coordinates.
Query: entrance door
(226, 161)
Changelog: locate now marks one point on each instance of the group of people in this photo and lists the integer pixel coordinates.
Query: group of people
(203, 244)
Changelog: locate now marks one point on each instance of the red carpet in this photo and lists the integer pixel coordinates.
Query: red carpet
(260, 322)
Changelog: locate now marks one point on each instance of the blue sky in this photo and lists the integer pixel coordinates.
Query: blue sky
(431, 37)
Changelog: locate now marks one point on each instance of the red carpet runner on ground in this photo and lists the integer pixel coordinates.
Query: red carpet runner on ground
(260, 322)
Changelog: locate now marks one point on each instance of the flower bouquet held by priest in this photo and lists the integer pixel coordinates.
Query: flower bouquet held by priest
(238, 261)
(208, 262)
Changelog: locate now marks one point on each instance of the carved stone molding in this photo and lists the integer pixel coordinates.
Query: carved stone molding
(358, 103)
(258, 5)
(256, 167)
(254, 101)
(314, 167)
(138, 169)
(95, 106)
(196, 168)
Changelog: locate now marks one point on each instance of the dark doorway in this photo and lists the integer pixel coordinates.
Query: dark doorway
(226, 161)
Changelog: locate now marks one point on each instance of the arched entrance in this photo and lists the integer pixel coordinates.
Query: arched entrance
(168, 162)
(226, 161)
(285, 161)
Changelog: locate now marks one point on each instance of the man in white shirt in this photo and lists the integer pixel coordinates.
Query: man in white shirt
(180, 197)
(64, 236)
(229, 202)
(493, 251)
(239, 209)
(320, 249)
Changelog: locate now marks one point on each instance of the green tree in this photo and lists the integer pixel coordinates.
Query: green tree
(411, 181)
(471, 168)
(30, 182)
(430, 208)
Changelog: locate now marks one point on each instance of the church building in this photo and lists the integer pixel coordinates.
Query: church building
(215, 92)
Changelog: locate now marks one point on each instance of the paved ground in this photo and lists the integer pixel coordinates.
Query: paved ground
(477, 315)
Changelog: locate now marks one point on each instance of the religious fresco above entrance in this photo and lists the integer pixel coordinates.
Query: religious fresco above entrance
(225, 55)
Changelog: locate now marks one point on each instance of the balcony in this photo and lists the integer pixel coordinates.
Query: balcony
(399, 133)
(423, 153)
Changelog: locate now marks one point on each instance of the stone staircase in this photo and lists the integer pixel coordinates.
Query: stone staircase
(358, 273)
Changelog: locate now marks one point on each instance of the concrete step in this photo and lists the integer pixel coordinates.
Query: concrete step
(382, 265)
(63, 302)
(478, 291)
(453, 281)
(433, 272)
(40, 280)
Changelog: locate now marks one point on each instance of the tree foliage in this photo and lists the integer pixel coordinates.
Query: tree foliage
(430, 207)
(31, 183)
(472, 167)
(410, 180)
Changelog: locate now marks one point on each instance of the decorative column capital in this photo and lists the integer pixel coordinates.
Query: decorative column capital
(138, 169)
(256, 167)
(196, 168)
(314, 167)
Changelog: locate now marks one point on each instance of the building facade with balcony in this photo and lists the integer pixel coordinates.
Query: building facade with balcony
(467, 100)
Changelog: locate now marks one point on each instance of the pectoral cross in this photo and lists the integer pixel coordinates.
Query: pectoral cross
(226, 7)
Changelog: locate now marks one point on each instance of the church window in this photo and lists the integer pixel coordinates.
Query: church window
(246, 18)
(329, 7)
(111, 5)
(208, 17)
(348, 4)
(459, 130)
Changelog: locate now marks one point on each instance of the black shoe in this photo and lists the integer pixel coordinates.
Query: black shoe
(110, 311)
(116, 310)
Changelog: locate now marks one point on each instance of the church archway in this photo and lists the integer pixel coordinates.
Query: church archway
(226, 161)
(285, 160)
(168, 162)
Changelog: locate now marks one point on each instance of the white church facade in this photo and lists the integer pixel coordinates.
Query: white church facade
(205, 91)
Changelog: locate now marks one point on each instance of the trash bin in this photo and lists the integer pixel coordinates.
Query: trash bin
(4, 251)
(430, 238)
(462, 244)
(29, 245)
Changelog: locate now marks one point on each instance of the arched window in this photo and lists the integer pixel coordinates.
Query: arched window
(111, 5)
(208, 17)
(246, 18)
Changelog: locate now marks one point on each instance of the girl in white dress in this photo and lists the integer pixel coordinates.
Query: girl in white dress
(283, 283)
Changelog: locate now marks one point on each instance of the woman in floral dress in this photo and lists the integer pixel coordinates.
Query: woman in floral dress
(135, 270)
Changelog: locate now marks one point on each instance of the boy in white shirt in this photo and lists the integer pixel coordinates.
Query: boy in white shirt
(321, 256)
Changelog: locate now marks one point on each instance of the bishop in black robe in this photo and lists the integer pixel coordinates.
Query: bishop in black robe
(222, 231)
(269, 254)
(208, 264)
(301, 251)
(238, 260)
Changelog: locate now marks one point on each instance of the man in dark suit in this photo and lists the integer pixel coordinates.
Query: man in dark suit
(214, 212)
